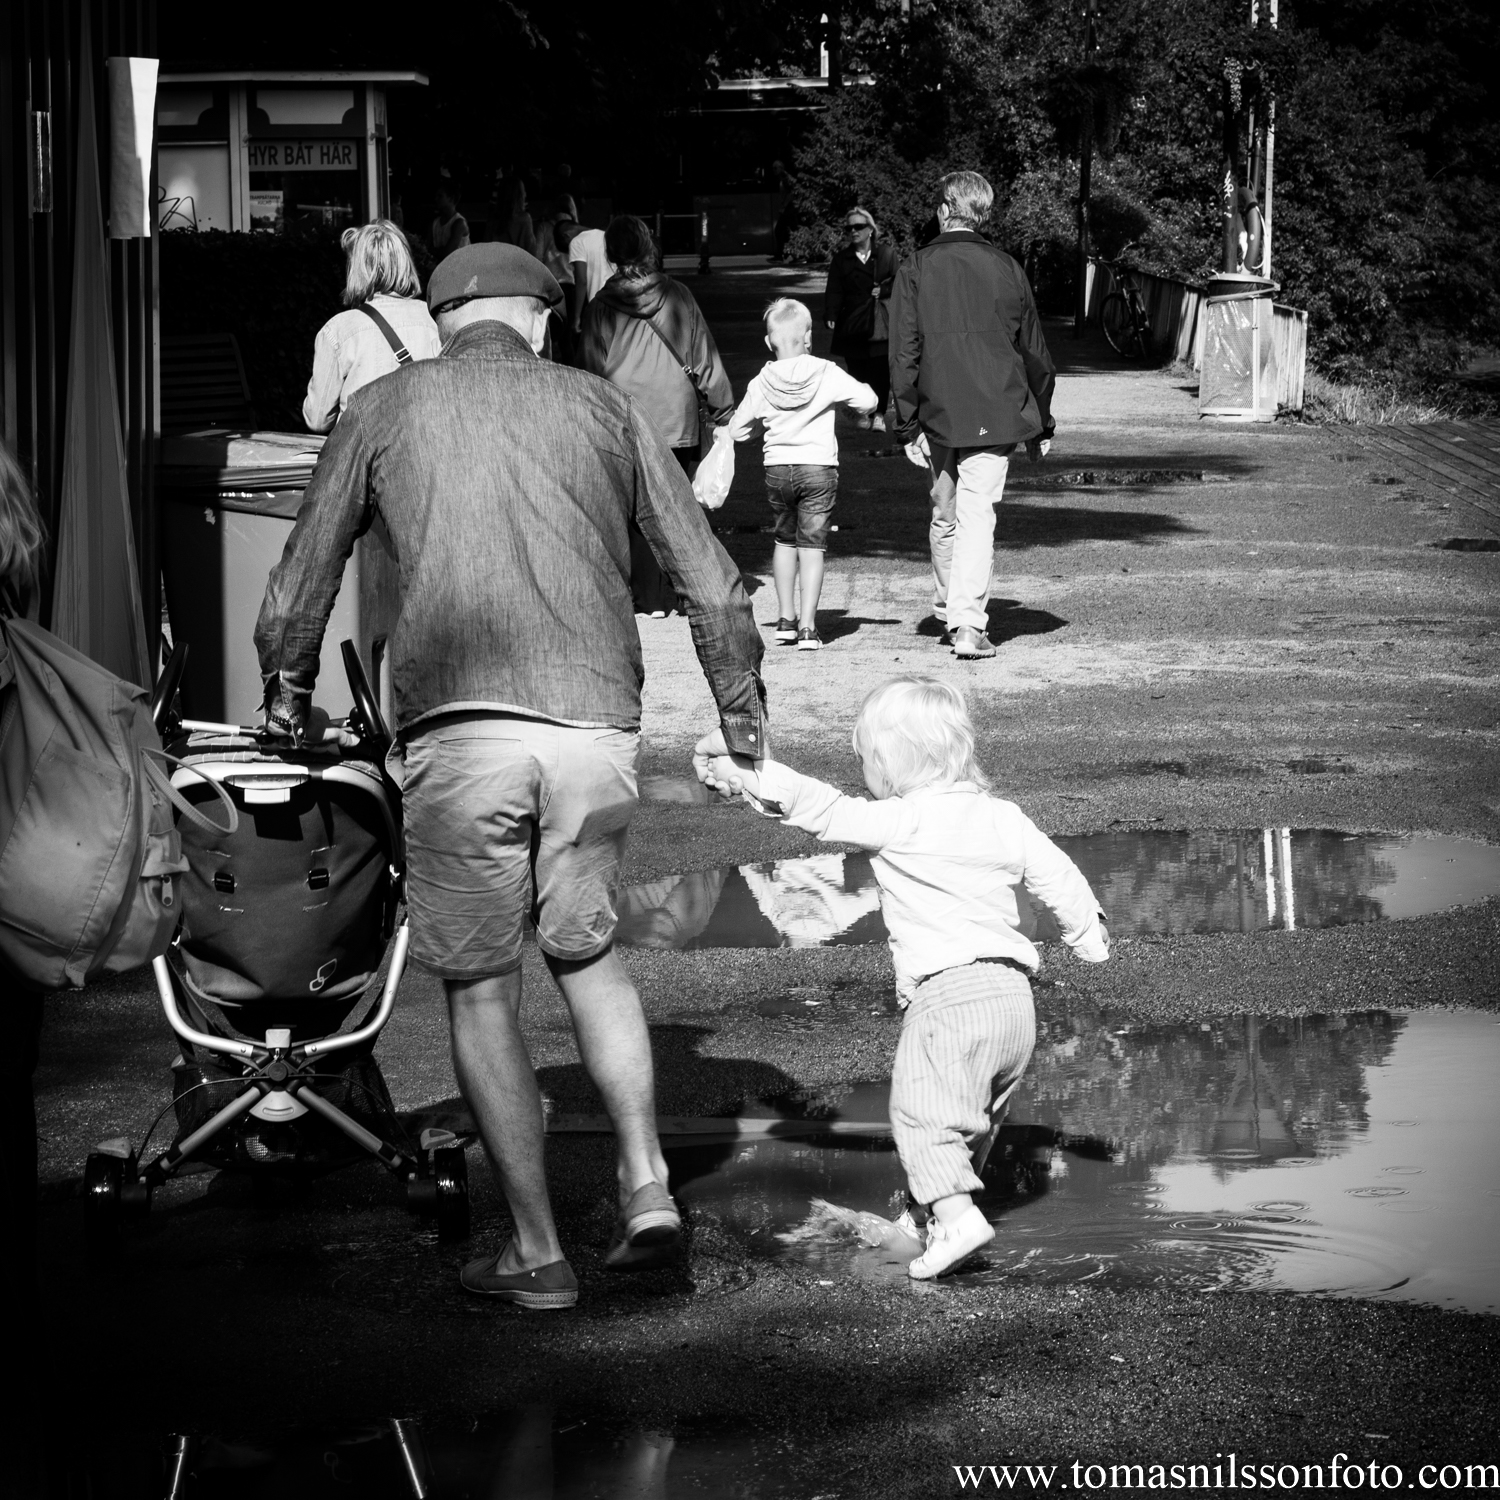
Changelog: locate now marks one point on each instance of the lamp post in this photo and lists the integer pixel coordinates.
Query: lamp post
(1085, 170)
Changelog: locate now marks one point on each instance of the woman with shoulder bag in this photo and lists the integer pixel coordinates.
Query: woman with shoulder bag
(856, 305)
(644, 333)
(385, 323)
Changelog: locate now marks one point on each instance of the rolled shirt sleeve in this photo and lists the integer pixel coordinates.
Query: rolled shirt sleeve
(725, 636)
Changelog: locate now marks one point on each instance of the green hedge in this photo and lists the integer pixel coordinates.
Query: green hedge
(271, 291)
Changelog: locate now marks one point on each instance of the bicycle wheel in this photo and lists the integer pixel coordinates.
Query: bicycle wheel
(1120, 328)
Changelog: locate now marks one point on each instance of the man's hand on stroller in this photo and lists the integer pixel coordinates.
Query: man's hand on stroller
(289, 715)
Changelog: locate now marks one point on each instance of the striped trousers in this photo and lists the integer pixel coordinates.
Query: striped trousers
(964, 1045)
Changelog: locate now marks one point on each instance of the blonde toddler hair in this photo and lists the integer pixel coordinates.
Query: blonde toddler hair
(787, 320)
(914, 732)
(379, 261)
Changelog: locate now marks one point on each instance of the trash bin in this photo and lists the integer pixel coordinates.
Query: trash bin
(231, 500)
(1238, 378)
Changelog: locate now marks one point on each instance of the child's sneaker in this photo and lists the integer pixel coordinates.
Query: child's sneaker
(948, 1244)
(786, 632)
(808, 639)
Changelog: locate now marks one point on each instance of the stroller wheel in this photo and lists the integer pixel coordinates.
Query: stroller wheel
(450, 1176)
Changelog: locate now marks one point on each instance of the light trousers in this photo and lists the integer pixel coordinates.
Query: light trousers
(967, 484)
(965, 1043)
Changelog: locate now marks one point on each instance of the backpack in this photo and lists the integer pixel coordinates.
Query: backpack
(89, 849)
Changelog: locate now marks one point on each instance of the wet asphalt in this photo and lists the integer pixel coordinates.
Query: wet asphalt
(1172, 651)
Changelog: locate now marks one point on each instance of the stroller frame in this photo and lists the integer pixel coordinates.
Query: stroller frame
(278, 1076)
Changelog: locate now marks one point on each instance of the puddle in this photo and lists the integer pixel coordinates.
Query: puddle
(1349, 1155)
(1150, 882)
(537, 1453)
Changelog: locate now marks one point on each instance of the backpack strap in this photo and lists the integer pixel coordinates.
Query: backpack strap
(402, 353)
(163, 784)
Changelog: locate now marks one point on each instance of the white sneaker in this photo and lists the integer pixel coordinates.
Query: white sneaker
(948, 1244)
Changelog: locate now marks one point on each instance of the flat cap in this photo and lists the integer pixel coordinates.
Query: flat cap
(491, 270)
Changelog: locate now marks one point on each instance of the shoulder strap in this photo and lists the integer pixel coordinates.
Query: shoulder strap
(686, 368)
(402, 353)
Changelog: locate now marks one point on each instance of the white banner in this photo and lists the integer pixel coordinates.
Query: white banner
(132, 118)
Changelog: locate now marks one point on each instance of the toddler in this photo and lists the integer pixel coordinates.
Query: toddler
(947, 857)
(794, 397)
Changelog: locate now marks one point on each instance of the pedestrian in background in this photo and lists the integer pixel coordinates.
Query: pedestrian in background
(513, 224)
(645, 334)
(450, 230)
(971, 379)
(589, 262)
(385, 319)
(856, 305)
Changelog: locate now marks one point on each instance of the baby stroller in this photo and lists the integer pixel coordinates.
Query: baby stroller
(285, 923)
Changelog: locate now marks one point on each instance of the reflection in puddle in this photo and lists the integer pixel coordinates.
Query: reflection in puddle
(535, 1453)
(1255, 1153)
(1151, 882)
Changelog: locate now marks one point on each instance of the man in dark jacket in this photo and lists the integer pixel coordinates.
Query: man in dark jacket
(506, 485)
(970, 379)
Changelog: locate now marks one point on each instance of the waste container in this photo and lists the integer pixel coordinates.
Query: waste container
(1238, 378)
(231, 500)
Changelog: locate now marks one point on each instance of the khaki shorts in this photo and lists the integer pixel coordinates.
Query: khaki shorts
(508, 817)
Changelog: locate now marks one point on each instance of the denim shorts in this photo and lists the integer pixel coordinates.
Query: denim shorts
(508, 817)
(802, 497)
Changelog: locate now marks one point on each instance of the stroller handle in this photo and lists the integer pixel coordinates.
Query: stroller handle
(372, 1027)
(258, 1051)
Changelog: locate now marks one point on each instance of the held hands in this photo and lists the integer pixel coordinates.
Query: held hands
(723, 773)
(1038, 448)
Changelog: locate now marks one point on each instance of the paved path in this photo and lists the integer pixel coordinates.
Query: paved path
(1229, 598)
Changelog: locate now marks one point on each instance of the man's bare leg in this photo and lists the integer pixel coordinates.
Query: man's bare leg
(498, 1082)
(616, 1051)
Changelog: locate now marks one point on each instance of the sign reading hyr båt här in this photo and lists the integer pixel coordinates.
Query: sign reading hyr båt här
(304, 156)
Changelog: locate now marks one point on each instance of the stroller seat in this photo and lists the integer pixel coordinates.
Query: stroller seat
(286, 919)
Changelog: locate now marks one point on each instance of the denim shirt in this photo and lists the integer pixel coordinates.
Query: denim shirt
(503, 484)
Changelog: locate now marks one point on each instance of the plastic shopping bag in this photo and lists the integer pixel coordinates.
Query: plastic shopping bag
(716, 472)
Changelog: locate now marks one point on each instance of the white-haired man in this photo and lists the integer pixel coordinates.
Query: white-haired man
(505, 485)
(970, 379)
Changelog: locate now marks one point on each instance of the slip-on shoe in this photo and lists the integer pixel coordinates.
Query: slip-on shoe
(548, 1287)
(647, 1232)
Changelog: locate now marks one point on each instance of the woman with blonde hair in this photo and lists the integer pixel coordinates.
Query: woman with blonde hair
(856, 305)
(385, 324)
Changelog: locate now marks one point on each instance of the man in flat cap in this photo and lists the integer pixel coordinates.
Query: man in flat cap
(505, 484)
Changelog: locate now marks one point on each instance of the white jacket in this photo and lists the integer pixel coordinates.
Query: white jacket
(795, 399)
(948, 860)
(350, 352)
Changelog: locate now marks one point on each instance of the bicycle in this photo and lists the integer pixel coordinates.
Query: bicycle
(1123, 317)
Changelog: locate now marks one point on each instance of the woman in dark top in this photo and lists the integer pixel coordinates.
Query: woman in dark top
(854, 305)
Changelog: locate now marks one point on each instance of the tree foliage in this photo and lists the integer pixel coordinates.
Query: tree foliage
(1387, 159)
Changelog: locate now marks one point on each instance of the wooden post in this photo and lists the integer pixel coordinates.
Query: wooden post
(1265, 212)
(1085, 174)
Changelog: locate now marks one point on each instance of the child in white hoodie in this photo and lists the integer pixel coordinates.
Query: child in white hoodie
(794, 398)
